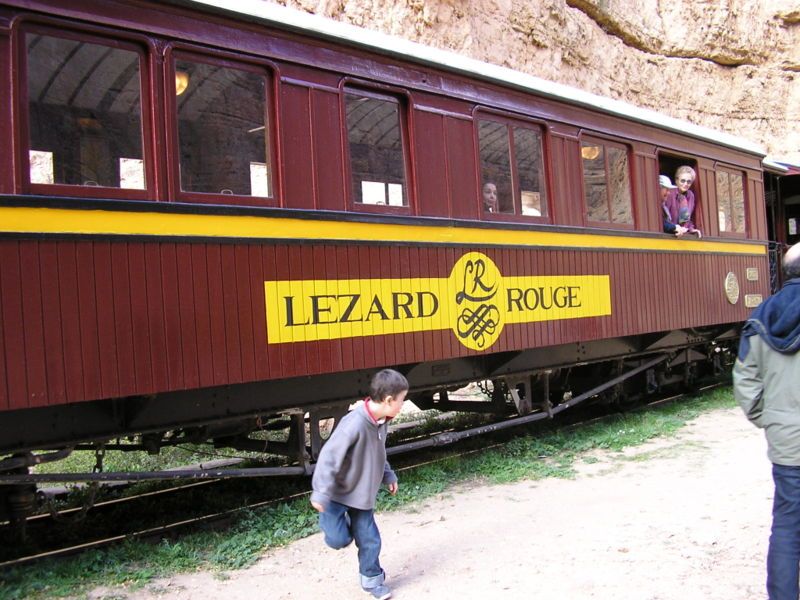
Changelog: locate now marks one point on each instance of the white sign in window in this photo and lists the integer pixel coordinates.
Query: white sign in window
(259, 179)
(131, 173)
(41, 166)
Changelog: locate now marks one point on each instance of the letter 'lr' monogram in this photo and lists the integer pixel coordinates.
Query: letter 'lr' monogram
(479, 319)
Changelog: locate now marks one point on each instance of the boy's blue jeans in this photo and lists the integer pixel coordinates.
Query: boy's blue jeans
(341, 525)
(783, 556)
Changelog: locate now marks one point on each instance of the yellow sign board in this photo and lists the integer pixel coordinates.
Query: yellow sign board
(475, 302)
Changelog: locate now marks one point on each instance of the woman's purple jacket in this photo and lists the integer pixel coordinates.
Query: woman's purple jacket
(670, 208)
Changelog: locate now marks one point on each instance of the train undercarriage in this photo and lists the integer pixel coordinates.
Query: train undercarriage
(516, 388)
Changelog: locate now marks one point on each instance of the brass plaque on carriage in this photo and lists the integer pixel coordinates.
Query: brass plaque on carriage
(752, 300)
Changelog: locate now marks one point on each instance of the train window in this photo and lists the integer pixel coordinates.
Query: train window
(512, 169)
(84, 111)
(375, 139)
(607, 182)
(730, 201)
(223, 128)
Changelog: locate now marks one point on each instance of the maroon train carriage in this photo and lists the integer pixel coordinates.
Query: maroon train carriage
(210, 218)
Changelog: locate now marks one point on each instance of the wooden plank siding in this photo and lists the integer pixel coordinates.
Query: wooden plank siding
(100, 319)
(100, 313)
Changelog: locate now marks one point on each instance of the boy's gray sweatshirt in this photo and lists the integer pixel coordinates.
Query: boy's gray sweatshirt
(352, 464)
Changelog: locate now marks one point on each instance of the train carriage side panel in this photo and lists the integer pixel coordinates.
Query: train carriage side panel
(167, 339)
(461, 171)
(567, 191)
(646, 191)
(756, 211)
(99, 315)
(327, 140)
(298, 165)
(230, 300)
(140, 314)
(202, 319)
(245, 312)
(11, 317)
(430, 164)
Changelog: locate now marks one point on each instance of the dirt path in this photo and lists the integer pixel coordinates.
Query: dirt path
(680, 519)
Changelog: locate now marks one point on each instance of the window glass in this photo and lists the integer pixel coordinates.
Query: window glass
(375, 140)
(512, 169)
(528, 152)
(223, 132)
(84, 106)
(495, 166)
(730, 202)
(594, 182)
(606, 183)
(737, 202)
(619, 182)
(724, 202)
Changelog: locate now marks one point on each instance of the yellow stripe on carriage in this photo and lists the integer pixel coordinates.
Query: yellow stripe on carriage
(32, 220)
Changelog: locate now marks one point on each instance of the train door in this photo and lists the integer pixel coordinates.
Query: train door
(782, 195)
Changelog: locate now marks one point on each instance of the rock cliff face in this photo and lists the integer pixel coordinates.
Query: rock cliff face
(732, 65)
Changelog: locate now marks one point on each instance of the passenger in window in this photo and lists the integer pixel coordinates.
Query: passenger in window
(665, 183)
(490, 202)
(679, 203)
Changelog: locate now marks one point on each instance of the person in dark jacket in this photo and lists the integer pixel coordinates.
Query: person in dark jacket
(766, 383)
(350, 469)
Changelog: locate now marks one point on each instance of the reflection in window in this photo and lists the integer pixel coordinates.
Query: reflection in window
(84, 104)
(496, 165)
(377, 162)
(223, 133)
(515, 169)
(606, 183)
(620, 186)
(730, 202)
(530, 170)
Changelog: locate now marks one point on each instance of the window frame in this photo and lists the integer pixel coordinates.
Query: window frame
(116, 39)
(729, 170)
(593, 139)
(192, 53)
(405, 105)
(510, 122)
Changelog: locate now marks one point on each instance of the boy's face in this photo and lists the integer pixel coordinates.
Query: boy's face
(394, 404)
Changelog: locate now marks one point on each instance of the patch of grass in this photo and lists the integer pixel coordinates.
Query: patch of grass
(540, 451)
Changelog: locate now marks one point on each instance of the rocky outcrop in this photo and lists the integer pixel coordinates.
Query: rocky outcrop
(732, 65)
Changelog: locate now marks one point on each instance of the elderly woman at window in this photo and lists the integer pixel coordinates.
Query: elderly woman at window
(679, 204)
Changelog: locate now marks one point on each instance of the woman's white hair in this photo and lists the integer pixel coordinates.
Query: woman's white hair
(685, 169)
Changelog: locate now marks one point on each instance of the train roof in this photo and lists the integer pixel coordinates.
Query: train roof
(775, 166)
(322, 27)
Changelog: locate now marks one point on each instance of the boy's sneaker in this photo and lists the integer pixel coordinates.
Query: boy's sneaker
(379, 592)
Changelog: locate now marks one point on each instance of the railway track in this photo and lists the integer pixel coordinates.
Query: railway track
(179, 499)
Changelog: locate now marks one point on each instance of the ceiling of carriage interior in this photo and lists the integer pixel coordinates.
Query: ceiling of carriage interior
(84, 76)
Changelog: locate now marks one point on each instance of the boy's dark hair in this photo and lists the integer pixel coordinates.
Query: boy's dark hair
(387, 382)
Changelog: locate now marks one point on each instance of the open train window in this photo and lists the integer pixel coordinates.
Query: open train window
(606, 182)
(376, 149)
(222, 131)
(668, 165)
(730, 201)
(512, 168)
(84, 113)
